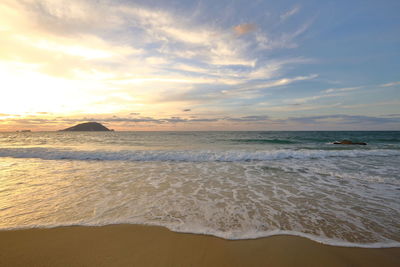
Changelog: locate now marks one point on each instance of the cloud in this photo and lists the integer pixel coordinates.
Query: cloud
(290, 13)
(285, 39)
(244, 28)
(345, 89)
(291, 107)
(392, 115)
(373, 104)
(279, 82)
(116, 119)
(328, 93)
(246, 89)
(125, 55)
(390, 84)
(249, 118)
(303, 100)
(345, 119)
(334, 121)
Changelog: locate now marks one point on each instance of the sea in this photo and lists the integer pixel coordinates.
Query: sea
(233, 185)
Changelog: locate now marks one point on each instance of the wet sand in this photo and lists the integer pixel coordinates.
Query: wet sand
(137, 245)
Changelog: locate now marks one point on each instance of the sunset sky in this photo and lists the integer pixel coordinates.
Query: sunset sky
(200, 65)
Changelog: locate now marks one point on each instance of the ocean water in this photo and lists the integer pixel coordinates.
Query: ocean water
(234, 185)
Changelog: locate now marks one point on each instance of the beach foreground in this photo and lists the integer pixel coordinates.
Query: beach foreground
(138, 245)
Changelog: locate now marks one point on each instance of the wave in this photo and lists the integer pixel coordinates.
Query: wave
(265, 141)
(393, 140)
(225, 235)
(188, 155)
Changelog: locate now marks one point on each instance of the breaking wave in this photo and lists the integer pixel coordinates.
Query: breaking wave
(188, 155)
(265, 141)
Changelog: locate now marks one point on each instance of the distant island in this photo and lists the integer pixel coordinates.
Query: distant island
(88, 126)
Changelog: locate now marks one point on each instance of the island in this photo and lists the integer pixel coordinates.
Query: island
(88, 126)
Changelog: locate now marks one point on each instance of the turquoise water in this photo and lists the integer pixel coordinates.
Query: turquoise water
(233, 185)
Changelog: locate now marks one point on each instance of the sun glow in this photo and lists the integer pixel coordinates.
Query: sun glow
(25, 90)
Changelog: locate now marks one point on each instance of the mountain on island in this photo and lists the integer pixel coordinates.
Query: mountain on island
(88, 126)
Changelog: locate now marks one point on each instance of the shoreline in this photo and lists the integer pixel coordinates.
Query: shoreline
(310, 237)
(142, 245)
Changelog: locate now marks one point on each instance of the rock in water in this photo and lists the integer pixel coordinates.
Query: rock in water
(348, 142)
(88, 126)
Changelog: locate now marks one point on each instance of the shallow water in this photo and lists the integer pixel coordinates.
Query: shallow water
(230, 184)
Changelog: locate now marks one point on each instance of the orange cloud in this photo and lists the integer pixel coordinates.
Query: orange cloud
(244, 28)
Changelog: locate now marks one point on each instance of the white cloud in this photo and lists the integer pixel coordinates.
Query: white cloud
(279, 82)
(345, 89)
(328, 93)
(290, 13)
(304, 100)
(290, 108)
(131, 54)
(390, 84)
(283, 40)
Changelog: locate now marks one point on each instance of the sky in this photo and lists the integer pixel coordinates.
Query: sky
(200, 65)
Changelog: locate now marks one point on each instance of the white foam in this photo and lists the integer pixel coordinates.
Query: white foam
(328, 201)
(188, 155)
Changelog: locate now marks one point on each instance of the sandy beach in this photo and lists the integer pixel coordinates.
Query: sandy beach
(137, 245)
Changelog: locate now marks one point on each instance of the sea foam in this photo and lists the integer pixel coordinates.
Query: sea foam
(188, 155)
